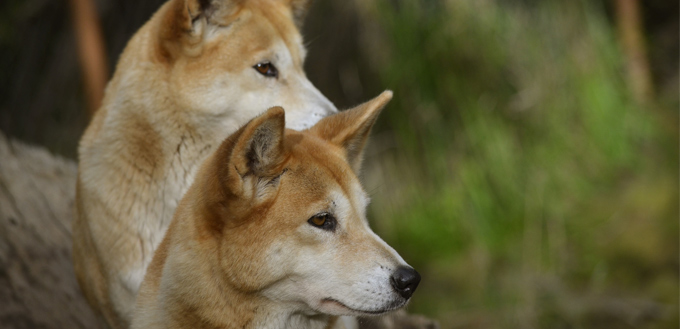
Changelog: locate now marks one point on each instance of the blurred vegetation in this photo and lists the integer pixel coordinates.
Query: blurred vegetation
(522, 178)
(513, 168)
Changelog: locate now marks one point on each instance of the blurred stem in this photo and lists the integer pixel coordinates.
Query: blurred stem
(90, 51)
(631, 38)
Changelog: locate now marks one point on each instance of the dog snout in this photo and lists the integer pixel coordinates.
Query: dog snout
(405, 280)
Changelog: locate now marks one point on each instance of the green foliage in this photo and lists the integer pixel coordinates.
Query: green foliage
(520, 156)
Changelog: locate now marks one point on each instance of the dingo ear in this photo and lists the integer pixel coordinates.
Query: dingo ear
(350, 128)
(219, 12)
(185, 21)
(299, 9)
(235, 170)
(259, 148)
(255, 150)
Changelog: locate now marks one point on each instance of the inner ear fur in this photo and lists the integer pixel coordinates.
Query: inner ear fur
(259, 151)
(186, 13)
(349, 129)
(219, 12)
(254, 150)
(183, 24)
(299, 9)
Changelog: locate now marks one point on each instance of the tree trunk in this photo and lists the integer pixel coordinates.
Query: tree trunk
(629, 21)
(38, 288)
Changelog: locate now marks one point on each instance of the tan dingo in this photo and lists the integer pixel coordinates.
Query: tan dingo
(273, 234)
(192, 75)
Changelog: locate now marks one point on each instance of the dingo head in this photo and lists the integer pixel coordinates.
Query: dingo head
(233, 58)
(288, 215)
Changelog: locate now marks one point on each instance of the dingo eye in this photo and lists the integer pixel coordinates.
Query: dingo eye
(267, 69)
(323, 220)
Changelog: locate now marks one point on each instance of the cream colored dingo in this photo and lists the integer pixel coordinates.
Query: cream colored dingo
(273, 234)
(192, 75)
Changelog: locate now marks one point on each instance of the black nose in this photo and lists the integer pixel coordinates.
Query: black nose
(405, 280)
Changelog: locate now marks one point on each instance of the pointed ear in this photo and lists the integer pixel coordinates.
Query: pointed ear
(259, 148)
(255, 150)
(299, 8)
(213, 11)
(185, 21)
(350, 128)
(235, 170)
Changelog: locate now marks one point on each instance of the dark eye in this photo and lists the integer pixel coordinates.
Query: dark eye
(323, 220)
(267, 69)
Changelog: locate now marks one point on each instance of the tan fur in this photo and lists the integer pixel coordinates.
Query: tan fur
(240, 252)
(184, 83)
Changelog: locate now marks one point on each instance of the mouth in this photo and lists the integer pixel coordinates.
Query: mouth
(334, 303)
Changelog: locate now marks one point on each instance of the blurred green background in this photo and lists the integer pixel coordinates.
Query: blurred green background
(516, 168)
